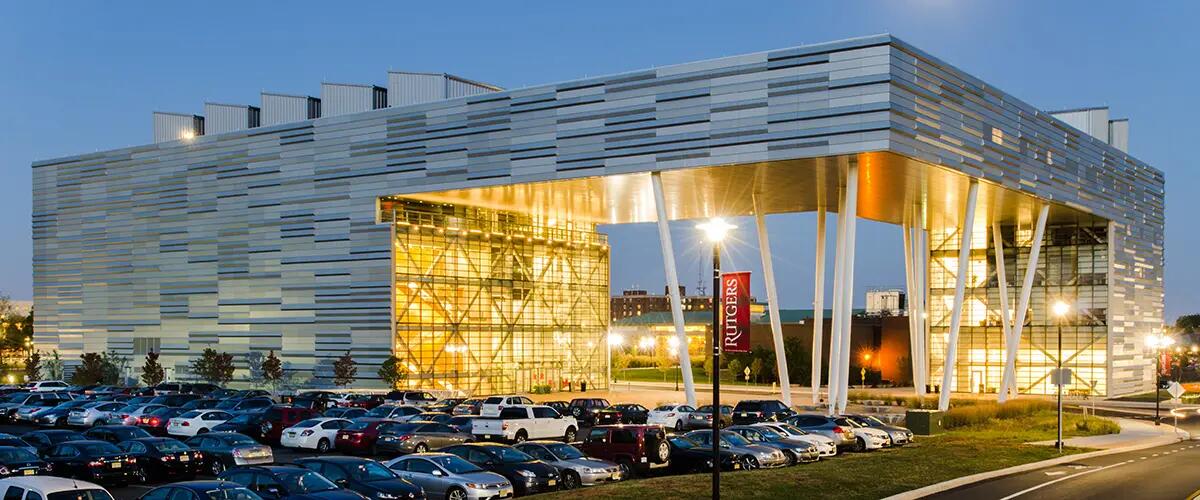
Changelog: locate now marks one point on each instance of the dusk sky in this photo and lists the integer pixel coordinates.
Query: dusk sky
(81, 77)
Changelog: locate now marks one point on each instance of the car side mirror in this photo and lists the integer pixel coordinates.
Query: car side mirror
(341, 482)
(437, 473)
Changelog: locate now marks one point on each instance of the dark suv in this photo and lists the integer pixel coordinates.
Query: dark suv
(585, 410)
(286, 482)
(635, 448)
(266, 426)
(752, 411)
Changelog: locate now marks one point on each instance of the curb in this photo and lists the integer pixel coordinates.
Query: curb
(1017, 469)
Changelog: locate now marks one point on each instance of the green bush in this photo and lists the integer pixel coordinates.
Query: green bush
(1095, 426)
(541, 389)
(971, 412)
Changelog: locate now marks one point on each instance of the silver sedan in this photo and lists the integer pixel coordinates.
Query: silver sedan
(576, 468)
(796, 451)
(443, 475)
(753, 456)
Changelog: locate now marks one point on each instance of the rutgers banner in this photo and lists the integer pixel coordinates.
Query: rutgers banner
(735, 312)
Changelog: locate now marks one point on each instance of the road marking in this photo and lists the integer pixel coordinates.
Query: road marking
(1064, 478)
(1056, 473)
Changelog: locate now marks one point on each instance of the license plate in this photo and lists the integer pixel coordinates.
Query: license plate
(551, 482)
(30, 472)
(184, 458)
(737, 465)
(116, 465)
(616, 476)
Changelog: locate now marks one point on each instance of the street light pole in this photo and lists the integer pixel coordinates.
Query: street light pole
(1157, 373)
(1060, 312)
(715, 230)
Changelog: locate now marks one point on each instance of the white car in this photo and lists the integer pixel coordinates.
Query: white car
(671, 416)
(37, 487)
(867, 437)
(524, 422)
(94, 413)
(314, 434)
(196, 422)
(47, 386)
(130, 414)
(825, 446)
(493, 404)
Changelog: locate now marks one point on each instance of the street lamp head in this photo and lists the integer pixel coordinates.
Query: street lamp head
(616, 339)
(1061, 308)
(716, 229)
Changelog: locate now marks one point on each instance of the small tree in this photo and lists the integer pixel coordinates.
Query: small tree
(735, 368)
(214, 367)
(90, 370)
(115, 367)
(254, 362)
(756, 368)
(55, 369)
(345, 370)
(392, 371)
(620, 361)
(708, 366)
(33, 366)
(152, 371)
(272, 370)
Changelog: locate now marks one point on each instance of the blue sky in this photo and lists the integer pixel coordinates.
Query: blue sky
(84, 76)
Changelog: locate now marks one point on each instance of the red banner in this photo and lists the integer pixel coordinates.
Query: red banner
(735, 312)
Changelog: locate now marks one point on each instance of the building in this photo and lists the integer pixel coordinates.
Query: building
(635, 302)
(454, 224)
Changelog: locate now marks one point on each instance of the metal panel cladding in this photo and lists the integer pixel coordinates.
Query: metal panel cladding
(175, 126)
(406, 88)
(345, 98)
(220, 118)
(284, 108)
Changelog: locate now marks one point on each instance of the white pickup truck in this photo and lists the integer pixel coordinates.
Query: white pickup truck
(523, 422)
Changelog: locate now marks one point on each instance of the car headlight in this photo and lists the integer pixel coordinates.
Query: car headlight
(385, 495)
(593, 470)
(477, 486)
(526, 473)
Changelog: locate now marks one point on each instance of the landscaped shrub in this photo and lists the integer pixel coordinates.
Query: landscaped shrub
(970, 412)
(1095, 426)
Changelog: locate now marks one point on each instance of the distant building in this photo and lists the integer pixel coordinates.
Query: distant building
(636, 302)
(886, 302)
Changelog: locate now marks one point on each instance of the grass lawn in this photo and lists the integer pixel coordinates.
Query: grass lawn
(669, 375)
(877, 474)
(1146, 397)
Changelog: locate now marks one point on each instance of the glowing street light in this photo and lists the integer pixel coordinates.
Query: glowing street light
(1060, 310)
(715, 231)
(1158, 342)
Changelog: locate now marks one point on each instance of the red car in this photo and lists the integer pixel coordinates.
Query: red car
(359, 437)
(155, 422)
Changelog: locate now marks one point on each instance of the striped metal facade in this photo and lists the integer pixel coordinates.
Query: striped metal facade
(268, 239)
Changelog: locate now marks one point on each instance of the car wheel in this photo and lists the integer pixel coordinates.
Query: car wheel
(662, 453)
(860, 444)
(750, 463)
(577, 412)
(62, 422)
(792, 458)
(570, 480)
(140, 475)
(679, 426)
(569, 437)
(323, 445)
(202, 431)
(626, 468)
(96, 423)
(217, 467)
(522, 436)
(456, 494)
(421, 448)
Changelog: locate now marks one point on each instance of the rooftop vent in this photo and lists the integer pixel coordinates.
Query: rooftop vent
(284, 108)
(406, 88)
(1095, 122)
(175, 126)
(222, 118)
(345, 98)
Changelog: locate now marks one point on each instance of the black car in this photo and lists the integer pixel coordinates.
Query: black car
(15, 461)
(463, 423)
(95, 461)
(363, 476)
(224, 450)
(751, 411)
(250, 393)
(201, 404)
(115, 433)
(527, 474)
(175, 399)
(245, 405)
(445, 406)
(287, 482)
(44, 440)
(562, 407)
(161, 458)
(626, 413)
(193, 490)
(221, 393)
(689, 456)
(585, 410)
(246, 423)
(16, 442)
(344, 412)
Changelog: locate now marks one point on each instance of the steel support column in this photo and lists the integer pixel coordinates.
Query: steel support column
(835, 332)
(764, 251)
(664, 238)
(1008, 380)
(847, 291)
(911, 292)
(921, 258)
(818, 308)
(960, 284)
(1002, 281)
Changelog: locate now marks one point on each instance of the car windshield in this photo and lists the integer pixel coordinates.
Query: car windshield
(94, 449)
(380, 411)
(734, 439)
(16, 398)
(371, 471)
(228, 404)
(869, 420)
(192, 414)
(13, 441)
(13, 455)
(791, 429)
(130, 433)
(359, 425)
(243, 419)
(510, 455)
(304, 424)
(129, 408)
(683, 443)
(847, 422)
(164, 411)
(749, 406)
(170, 446)
(62, 437)
(564, 451)
(768, 433)
(455, 464)
(305, 481)
(238, 440)
(88, 494)
(493, 400)
(403, 428)
(229, 494)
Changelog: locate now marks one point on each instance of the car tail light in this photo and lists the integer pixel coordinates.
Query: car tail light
(168, 458)
(144, 420)
(504, 426)
(307, 432)
(672, 414)
(130, 460)
(155, 421)
(185, 423)
(405, 437)
(95, 463)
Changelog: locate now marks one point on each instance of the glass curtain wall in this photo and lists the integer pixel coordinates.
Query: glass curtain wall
(1073, 267)
(489, 301)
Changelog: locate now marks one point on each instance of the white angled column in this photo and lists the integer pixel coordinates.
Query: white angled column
(960, 284)
(1008, 380)
(911, 292)
(921, 266)
(664, 237)
(1002, 281)
(764, 251)
(847, 291)
(818, 308)
(835, 332)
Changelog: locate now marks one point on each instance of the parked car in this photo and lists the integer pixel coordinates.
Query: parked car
(827, 426)
(636, 449)
(899, 436)
(463, 423)
(93, 461)
(95, 413)
(47, 386)
(52, 488)
(220, 393)
(15, 401)
(24, 414)
(366, 477)
(201, 404)
(418, 437)
(163, 388)
(469, 407)
(419, 399)
(575, 468)
(431, 416)
(795, 451)
(527, 474)
(265, 426)
(56, 416)
(393, 412)
(196, 422)
(155, 422)
(115, 433)
(671, 416)
(688, 456)
(750, 411)
(44, 440)
(19, 461)
(313, 403)
(250, 393)
(444, 475)
(175, 399)
(16, 442)
(562, 407)
(193, 490)
(364, 401)
(754, 456)
(865, 438)
(130, 414)
(222, 450)
(245, 405)
(624, 413)
(585, 409)
(524, 422)
(702, 417)
(314, 434)
(345, 412)
(360, 436)
(161, 459)
(445, 405)
(491, 405)
(287, 482)
(826, 447)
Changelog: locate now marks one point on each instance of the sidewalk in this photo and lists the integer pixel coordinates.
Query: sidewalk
(1133, 432)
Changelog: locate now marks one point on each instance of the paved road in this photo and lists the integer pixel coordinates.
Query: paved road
(1165, 472)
